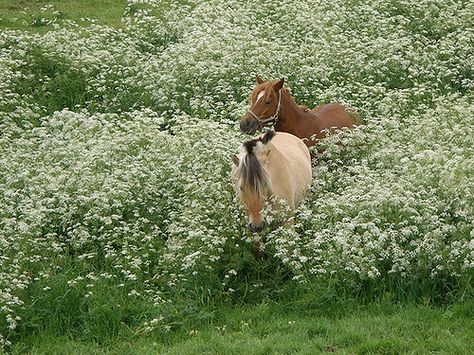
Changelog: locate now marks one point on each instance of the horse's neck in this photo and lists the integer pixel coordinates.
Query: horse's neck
(292, 118)
(278, 169)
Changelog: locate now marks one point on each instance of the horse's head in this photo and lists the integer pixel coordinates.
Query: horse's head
(251, 180)
(264, 105)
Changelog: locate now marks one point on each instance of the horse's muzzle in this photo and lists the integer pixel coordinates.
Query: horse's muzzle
(248, 126)
(256, 228)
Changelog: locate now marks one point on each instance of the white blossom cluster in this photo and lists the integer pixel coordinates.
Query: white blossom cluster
(115, 148)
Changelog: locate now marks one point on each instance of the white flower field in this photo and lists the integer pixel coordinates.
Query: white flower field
(116, 146)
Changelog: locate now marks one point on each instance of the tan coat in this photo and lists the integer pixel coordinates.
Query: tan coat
(289, 168)
(287, 174)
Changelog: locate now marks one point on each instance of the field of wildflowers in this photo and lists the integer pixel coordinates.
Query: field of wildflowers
(116, 200)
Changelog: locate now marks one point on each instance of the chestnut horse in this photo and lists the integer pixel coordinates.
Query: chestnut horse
(276, 164)
(272, 103)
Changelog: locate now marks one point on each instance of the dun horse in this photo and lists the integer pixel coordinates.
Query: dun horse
(276, 163)
(271, 103)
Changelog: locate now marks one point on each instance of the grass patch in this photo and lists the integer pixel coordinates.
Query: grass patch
(272, 328)
(41, 15)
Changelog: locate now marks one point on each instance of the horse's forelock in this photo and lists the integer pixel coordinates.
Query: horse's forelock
(259, 88)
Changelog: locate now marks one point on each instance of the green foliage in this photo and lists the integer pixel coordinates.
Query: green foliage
(44, 15)
(118, 215)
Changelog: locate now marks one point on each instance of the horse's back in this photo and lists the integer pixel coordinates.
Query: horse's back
(334, 116)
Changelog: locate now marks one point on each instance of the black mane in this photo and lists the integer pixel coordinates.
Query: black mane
(267, 137)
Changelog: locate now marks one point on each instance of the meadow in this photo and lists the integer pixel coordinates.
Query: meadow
(119, 226)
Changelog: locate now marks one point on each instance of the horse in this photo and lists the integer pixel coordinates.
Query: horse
(276, 163)
(272, 103)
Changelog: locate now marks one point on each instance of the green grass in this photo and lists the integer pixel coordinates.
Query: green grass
(28, 15)
(272, 328)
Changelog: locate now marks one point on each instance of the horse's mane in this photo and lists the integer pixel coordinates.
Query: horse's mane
(265, 85)
(250, 172)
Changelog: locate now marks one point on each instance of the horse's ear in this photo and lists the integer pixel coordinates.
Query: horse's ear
(279, 85)
(265, 157)
(260, 80)
(235, 160)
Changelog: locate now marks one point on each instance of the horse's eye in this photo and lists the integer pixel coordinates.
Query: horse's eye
(268, 102)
